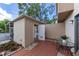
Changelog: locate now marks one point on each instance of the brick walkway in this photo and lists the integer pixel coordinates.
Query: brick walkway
(44, 48)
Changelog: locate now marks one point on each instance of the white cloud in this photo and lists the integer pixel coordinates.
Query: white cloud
(2, 17)
(4, 14)
(7, 3)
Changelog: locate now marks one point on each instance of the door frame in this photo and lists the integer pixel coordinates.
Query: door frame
(36, 39)
(76, 46)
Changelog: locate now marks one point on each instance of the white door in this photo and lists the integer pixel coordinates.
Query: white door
(41, 32)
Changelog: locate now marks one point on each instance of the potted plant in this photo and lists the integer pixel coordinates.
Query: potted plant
(64, 39)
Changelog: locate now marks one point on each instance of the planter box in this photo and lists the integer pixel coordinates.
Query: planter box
(9, 53)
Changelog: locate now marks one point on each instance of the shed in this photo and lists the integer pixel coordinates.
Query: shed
(26, 30)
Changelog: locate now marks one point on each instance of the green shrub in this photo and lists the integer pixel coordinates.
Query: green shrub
(64, 37)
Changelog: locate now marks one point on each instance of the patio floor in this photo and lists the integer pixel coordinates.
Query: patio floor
(44, 48)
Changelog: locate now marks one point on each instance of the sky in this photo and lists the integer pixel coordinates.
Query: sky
(10, 11)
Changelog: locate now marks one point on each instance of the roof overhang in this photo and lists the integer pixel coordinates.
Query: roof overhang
(64, 15)
(77, 15)
(28, 17)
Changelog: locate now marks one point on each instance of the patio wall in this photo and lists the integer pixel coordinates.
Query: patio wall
(54, 31)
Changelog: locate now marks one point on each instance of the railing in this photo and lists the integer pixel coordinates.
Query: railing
(4, 36)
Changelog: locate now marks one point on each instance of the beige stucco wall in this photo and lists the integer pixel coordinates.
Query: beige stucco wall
(29, 31)
(70, 28)
(19, 32)
(62, 7)
(54, 31)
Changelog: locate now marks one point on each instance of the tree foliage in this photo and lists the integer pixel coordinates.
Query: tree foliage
(36, 10)
(3, 25)
(51, 21)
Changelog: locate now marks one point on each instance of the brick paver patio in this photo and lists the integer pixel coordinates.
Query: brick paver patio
(44, 48)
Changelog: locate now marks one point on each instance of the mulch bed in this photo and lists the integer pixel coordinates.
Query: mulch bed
(9, 47)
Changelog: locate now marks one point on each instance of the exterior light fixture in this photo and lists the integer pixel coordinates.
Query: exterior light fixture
(71, 21)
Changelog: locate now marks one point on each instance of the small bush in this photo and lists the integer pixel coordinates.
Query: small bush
(11, 46)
